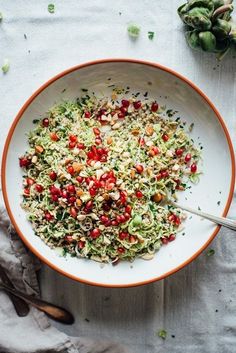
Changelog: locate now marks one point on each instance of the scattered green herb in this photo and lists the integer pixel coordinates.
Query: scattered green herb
(6, 66)
(191, 127)
(87, 320)
(35, 121)
(217, 310)
(1, 17)
(218, 203)
(84, 90)
(173, 336)
(133, 30)
(199, 208)
(162, 334)
(25, 36)
(210, 252)
(151, 35)
(51, 8)
(63, 90)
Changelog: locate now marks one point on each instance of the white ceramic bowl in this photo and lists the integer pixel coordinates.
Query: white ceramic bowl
(169, 88)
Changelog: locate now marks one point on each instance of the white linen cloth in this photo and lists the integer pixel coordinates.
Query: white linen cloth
(184, 304)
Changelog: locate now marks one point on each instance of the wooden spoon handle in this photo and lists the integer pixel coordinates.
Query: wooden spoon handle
(55, 312)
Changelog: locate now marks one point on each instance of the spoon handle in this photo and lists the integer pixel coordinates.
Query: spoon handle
(226, 222)
(21, 307)
(55, 312)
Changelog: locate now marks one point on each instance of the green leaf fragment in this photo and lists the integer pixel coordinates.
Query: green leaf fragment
(51, 8)
(151, 35)
(210, 252)
(162, 334)
(1, 17)
(133, 30)
(6, 66)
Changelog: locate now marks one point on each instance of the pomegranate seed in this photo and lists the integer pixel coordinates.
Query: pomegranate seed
(110, 186)
(98, 141)
(72, 200)
(171, 218)
(121, 115)
(121, 250)
(48, 216)
(159, 176)
(45, 122)
(127, 216)
(164, 173)
(114, 223)
(154, 106)
(102, 112)
(139, 168)
(89, 205)
(132, 239)
(80, 179)
(54, 136)
(81, 244)
(139, 194)
(97, 184)
(92, 191)
(30, 181)
(65, 194)
(123, 235)
(95, 233)
(73, 212)
(128, 209)
(165, 137)
(155, 150)
(38, 188)
(71, 189)
(73, 138)
(125, 103)
(179, 152)
(106, 207)
(193, 168)
(71, 145)
(177, 221)
(171, 237)
(103, 159)
(96, 131)
(104, 176)
(118, 219)
(53, 175)
(108, 223)
(187, 157)
(54, 190)
(70, 170)
(80, 146)
(54, 198)
(104, 219)
(24, 162)
(90, 155)
(87, 114)
(164, 240)
(141, 141)
(26, 192)
(123, 110)
(68, 238)
(137, 105)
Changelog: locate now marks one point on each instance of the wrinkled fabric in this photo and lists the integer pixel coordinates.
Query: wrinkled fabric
(33, 333)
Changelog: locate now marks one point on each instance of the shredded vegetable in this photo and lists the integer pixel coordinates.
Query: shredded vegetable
(96, 175)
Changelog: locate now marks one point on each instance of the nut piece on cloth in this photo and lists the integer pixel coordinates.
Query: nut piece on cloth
(33, 333)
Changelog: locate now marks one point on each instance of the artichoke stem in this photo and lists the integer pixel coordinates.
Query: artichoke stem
(221, 10)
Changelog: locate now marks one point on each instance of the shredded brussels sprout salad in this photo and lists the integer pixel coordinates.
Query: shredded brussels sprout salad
(97, 173)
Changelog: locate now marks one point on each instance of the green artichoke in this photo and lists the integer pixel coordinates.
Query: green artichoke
(208, 25)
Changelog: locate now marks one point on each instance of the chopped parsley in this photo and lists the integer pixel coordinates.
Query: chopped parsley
(35, 121)
(51, 8)
(151, 35)
(199, 208)
(210, 252)
(6, 66)
(25, 36)
(133, 30)
(218, 203)
(1, 17)
(162, 334)
(191, 127)
(84, 90)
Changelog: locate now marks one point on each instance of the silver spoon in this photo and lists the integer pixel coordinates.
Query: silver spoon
(55, 312)
(223, 221)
